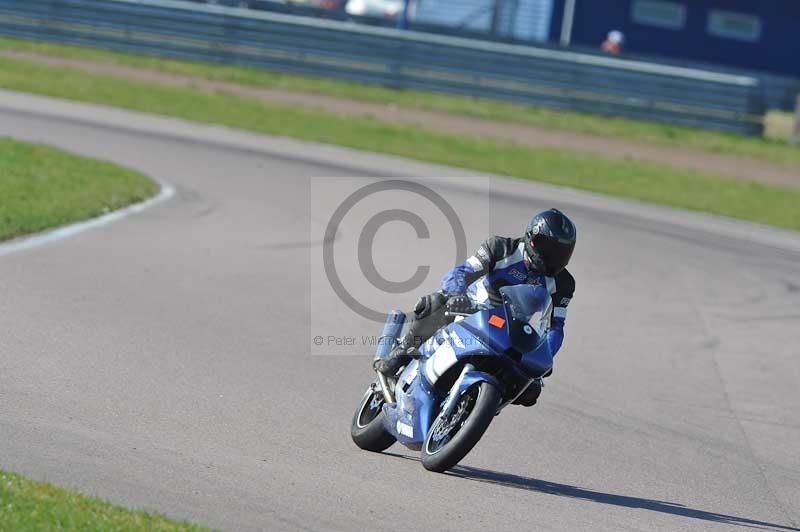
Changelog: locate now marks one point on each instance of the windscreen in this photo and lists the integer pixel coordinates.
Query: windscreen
(524, 300)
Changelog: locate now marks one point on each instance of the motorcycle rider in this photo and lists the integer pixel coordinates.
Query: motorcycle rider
(540, 257)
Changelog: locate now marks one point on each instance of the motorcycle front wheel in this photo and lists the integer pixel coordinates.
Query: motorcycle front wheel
(366, 429)
(452, 437)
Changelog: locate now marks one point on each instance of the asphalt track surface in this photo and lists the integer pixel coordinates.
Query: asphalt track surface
(165, 361)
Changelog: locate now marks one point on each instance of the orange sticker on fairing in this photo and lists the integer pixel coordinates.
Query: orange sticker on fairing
(497, 321)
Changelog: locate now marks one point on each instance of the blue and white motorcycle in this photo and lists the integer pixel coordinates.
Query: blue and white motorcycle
(443, 401)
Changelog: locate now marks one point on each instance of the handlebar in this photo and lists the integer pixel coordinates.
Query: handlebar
(447, 313)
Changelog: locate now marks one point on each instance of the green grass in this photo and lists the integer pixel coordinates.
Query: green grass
(625, 178)
(42, 187)
(26, 505)
(777, 150)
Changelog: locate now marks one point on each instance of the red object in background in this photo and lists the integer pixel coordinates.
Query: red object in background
(611, 47)
(613, 43)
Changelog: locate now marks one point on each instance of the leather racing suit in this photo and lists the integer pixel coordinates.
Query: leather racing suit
(498, 262)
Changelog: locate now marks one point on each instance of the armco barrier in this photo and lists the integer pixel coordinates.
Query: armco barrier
(407, 59)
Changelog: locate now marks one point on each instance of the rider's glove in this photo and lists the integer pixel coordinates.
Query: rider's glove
(429, 303)
(459, 303)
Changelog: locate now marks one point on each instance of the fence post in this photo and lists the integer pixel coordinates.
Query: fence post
(796, 137)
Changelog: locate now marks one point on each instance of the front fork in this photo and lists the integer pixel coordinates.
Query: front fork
(452, 398)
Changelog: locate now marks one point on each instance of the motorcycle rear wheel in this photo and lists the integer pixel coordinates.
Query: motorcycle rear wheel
(452, 437)
(366, 428)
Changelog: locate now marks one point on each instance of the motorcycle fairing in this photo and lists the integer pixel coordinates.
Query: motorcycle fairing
(418, 400)
(415, 407)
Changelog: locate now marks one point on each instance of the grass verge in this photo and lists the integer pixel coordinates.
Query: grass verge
(777, 150)
(43, 187)
(624, 178)
(28, 505)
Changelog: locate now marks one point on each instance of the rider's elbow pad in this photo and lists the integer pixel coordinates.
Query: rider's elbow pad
(455, 281)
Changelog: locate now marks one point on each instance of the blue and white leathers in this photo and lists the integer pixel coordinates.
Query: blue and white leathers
(495, 345)
(501, 262)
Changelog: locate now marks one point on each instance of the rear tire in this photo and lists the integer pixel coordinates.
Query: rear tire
(450, 439)
(366, 429)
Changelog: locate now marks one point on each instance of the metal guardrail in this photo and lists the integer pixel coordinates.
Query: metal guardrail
(404, 59)
(780, 92)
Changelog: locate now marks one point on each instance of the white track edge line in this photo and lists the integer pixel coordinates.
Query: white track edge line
(166, 192)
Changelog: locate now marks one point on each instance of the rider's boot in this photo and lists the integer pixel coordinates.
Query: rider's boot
(397, 357)
(531, 393)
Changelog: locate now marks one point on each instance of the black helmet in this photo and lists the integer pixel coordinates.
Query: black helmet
(549, 242)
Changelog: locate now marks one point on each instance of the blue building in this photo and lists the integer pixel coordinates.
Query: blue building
(751, 34)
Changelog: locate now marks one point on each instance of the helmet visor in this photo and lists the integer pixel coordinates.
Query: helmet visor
(555, 253)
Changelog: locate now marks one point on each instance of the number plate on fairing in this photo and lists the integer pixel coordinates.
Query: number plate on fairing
(410, 373)
(405, 430)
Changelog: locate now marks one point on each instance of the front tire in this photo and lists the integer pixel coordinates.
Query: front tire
(451, 438)
(366, 429)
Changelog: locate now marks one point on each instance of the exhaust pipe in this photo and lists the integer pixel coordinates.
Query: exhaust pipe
(391, 332)
(387, 394)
